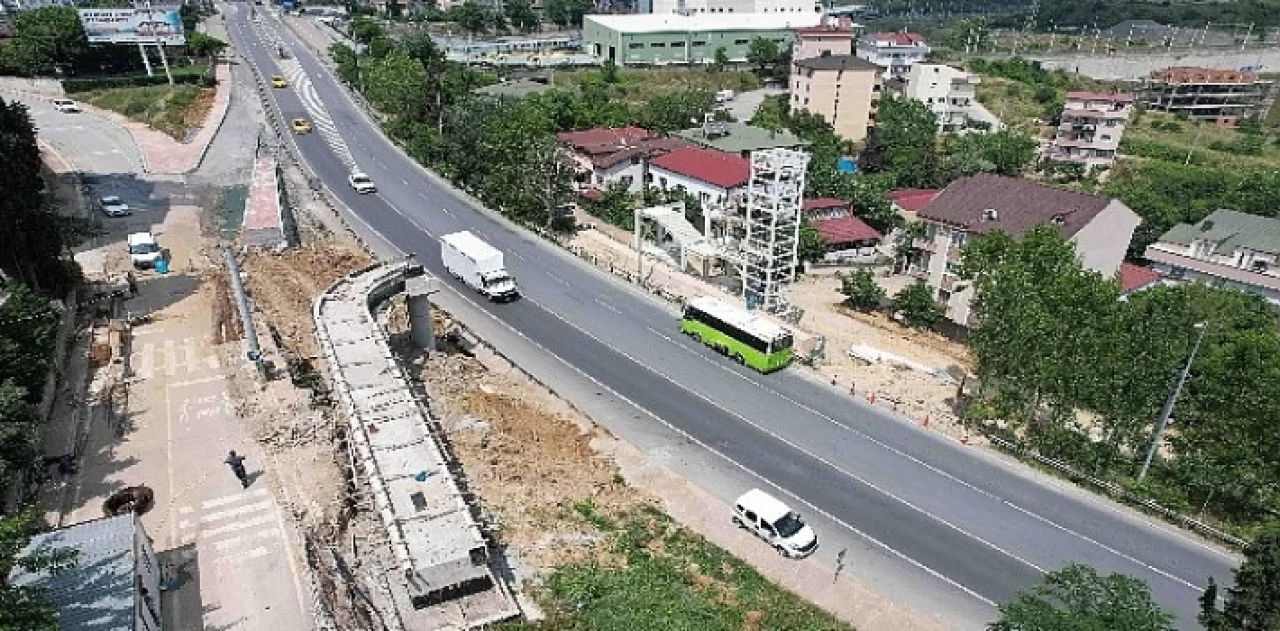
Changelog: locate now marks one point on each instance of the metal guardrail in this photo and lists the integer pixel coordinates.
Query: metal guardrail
(1119, 492)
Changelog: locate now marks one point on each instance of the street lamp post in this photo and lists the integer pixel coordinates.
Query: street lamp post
(1167, 410)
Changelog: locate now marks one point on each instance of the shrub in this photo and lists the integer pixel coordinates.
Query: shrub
(76, 86)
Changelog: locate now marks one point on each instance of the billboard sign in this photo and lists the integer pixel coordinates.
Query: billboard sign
(159, 25)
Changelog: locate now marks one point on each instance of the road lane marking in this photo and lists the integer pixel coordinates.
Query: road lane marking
(236, 512)
(607, 306)
(231, 499)
(195, 382)
(222, 530)
(745, 469)
(446, 210)
(558, 279)
(922, 463)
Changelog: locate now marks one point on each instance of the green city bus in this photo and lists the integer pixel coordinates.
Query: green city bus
(747, 338)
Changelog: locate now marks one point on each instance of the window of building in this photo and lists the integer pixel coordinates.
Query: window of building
(657, 45)
(1106, 137)
(806, 100)
(677, 44)
(740, 42)
(700, 43)
(634, 45)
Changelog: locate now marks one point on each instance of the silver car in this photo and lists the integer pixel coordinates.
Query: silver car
(113, 206)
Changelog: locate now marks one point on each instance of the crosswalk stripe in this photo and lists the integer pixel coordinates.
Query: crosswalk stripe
(244, 556)
(221, 530)
(233, 512)
(232, 542)
(231, 499)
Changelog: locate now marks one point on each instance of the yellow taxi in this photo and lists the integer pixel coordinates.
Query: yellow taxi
(279, 82)
(301, 126)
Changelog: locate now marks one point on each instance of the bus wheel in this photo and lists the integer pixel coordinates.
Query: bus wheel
(739, 358)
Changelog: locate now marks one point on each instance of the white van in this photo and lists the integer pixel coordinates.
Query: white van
(66, 106)
(143, 250)
(779, 526)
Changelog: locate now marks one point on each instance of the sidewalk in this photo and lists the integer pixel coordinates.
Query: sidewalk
(176, 427)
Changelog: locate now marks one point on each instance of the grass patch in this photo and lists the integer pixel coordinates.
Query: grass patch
(1163, 136)
(1013, 102)
(635, 86)
(169, 109)
(659, 575)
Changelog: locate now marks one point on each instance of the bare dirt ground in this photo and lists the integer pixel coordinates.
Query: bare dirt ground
(913, 393)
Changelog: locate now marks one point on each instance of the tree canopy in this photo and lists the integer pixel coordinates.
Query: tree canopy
(1253, 603)
(1077, 598)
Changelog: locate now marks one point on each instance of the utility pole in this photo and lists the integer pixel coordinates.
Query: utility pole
(1167, 410)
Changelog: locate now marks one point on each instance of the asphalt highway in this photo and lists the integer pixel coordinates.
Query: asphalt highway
(964, 522)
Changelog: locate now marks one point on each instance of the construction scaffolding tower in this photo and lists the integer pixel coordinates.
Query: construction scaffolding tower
(770, 246)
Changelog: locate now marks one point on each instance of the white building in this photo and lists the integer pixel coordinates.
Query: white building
(948, 91)
(712, 177)
(1226, 249)
(735, 6)
(895, 52)
(606, 156)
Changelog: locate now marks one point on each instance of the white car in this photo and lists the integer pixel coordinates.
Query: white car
(779, 526)
(66, 106)
(144, 251)
(362, 183)
(113, 206)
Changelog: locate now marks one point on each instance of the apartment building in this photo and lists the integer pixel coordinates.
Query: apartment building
(949, 92)
(1100, 228)
(1207, 94)
(843, 89)
(824, 39)
(894, 53)
(1091, 127)
(604, 156)
(1226, 249)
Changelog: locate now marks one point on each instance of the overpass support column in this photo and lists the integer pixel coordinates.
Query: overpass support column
(419, 290)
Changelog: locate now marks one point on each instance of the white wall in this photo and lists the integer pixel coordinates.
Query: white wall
(1103, 242)
(705, 192)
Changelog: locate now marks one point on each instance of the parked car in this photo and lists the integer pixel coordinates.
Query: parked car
(301, 126)
(113, 206)
(362, 183)
(144, 251)
(279, 82)
(771, 520)
(66, 106)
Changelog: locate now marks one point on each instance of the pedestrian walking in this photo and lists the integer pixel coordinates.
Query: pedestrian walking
(237, 467)
(133, 284)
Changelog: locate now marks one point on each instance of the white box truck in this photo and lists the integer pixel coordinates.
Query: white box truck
(477, 264)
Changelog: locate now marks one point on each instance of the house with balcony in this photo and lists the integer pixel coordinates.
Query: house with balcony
(829, 39)
(948, 91)
(1100, 229)
(1226, 249)
(605, 156)
(844, 235)
(712, 177)
(893, 53)
(1091, 127)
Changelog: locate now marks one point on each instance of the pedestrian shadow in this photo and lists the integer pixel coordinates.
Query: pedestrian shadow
(251, 478)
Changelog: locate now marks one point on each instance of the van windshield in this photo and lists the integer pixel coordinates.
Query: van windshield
(494, 281)
(143, 248)
(789, 525)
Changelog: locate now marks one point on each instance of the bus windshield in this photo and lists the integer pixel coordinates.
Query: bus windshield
(781, 343)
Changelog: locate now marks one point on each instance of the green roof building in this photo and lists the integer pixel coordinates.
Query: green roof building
(662, 39)
(1226, 249)
(740, 138)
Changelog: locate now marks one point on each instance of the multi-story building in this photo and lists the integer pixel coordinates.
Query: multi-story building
(1208, 94)
(1225, 249)
(734, 6)
(671, 38)
(948, 91)
(605, 156)
(844, 89)
(894, 53)
(740, 138)
(712, 177)
(1098, 227)
(830, 39)
(1091, 127)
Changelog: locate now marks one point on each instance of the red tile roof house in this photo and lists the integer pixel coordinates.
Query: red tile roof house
(843, 234)
(603, 156)
(1135, 278)
(1100, 228)
(908, 201)
(711, 176)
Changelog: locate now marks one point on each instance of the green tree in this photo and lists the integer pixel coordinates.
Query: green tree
(1005, 152)
(616, 205)
(676, 110)
(364, 30)
(348, 64)
(1254, 602)
(45, 40)
(206, 46)
(860, 290)
(904, 143)
(28, 326)
(609, 71)
(26, 608)
(567, 13)
(721, 59)
(396, 85)
(764, 55)
(469, 16)
(812, 246)
(1077, 598)
(916, 307)
(772, 113)
(521, 15)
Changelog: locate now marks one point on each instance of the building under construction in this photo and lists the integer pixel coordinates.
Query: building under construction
(1208, 94)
